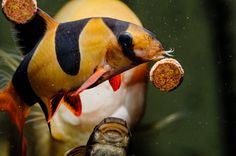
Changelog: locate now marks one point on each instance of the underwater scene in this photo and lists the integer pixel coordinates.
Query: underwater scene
(117, 77)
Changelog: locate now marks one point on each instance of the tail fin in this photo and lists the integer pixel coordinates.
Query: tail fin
(11, 103)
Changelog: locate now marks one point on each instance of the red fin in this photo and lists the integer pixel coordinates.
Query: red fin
(10, 103)
(15, 110)
(115, 82)
(15, 114)
(91, 80)
(54, 105)
(73, 103)
(24, 146)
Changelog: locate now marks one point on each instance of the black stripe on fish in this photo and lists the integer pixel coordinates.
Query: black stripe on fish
(29, 34)
(23, 87)
(67, 45)
(116, 26)
(21, 82)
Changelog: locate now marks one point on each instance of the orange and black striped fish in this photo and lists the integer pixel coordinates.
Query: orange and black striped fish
(63, 59)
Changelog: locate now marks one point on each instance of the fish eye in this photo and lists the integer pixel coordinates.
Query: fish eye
(125, 39)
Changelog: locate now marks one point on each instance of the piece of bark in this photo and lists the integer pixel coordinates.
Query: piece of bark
(166, 74)
(19, 11)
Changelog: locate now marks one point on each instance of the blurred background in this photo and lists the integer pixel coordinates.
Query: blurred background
(202, 33)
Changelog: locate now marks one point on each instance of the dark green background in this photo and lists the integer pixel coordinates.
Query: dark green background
(188, 27)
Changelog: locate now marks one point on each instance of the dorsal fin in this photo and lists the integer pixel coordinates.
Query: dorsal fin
(29, 34)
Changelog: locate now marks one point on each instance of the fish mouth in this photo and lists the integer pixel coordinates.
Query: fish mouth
(112, 131)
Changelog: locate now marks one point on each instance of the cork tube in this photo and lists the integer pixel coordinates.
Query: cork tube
(19, 11)
(166, 74)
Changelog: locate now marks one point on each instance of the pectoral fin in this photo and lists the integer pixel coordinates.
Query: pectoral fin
(72, 100)
(115, 82)
(91, 80)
